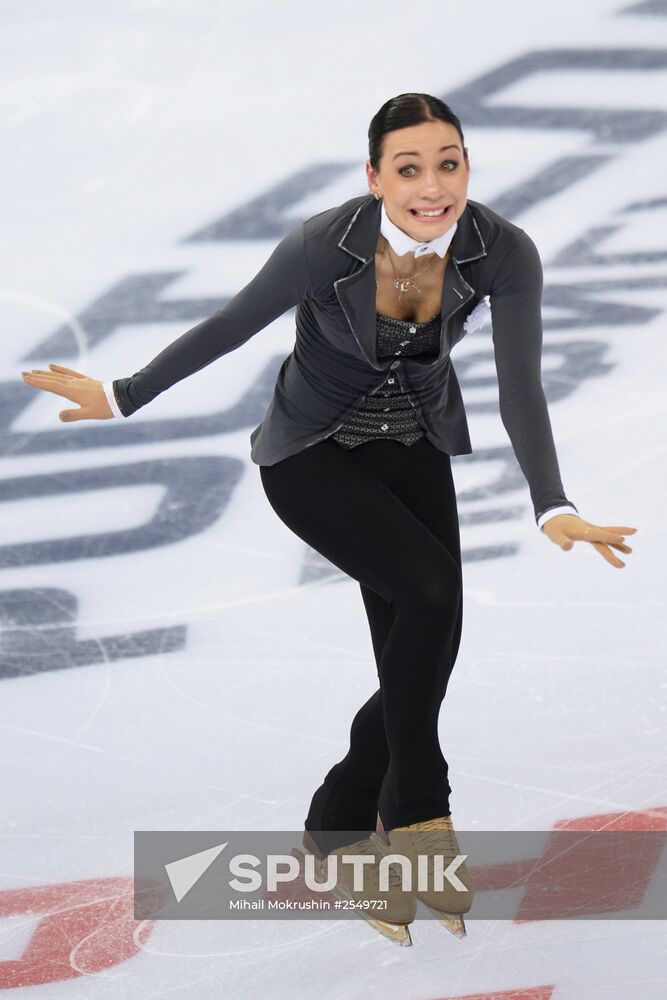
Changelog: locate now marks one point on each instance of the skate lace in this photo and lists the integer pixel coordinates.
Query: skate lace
(372, 872)
(434, 836)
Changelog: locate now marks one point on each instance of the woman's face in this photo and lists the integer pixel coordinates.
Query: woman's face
(417, 172)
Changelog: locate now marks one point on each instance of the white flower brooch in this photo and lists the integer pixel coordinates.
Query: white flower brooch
(478, 317)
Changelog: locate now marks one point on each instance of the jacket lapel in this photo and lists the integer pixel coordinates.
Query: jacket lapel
(356, 293)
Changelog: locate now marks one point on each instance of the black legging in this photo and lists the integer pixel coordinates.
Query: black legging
(385, 513)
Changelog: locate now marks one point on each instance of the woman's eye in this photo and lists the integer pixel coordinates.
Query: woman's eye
(452, 163)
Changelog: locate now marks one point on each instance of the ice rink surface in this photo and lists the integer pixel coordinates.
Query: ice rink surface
(172, 657)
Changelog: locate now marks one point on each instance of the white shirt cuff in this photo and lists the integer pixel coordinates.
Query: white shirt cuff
(563, 509)
(108, 391)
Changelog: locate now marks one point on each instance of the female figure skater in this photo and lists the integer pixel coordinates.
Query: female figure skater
(354, 455)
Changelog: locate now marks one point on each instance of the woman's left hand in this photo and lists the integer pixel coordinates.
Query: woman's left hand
(566, 529)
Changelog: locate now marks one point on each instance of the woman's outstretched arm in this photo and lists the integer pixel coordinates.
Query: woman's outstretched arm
(516, 315)
(278, 286)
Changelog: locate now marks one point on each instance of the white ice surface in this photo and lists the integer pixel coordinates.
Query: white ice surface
(128, 127)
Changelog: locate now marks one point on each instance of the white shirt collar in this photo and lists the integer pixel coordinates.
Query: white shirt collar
(401, 243)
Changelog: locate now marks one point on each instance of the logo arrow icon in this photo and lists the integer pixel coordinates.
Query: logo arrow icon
(185, 872)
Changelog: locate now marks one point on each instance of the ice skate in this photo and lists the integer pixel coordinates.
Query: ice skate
(401, 906)
(433, 837)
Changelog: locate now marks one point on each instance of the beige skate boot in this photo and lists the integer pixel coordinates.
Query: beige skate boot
(390, 917)
(432, 838)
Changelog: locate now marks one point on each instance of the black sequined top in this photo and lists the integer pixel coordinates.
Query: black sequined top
(387, 412)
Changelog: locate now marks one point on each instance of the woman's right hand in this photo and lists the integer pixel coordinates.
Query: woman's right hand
(87, 392)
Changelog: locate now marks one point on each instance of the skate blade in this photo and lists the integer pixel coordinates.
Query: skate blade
(454, 922)
(398, 933)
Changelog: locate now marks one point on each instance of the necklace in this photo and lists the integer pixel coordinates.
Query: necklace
(407, 283)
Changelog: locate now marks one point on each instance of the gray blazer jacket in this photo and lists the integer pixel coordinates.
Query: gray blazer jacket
(325, 267)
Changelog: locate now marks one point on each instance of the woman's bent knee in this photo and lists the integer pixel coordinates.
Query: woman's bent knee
(438, 589)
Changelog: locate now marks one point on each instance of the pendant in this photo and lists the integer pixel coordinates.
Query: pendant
(405, 284)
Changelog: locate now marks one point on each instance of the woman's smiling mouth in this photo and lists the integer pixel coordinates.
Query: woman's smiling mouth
(430, 214)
